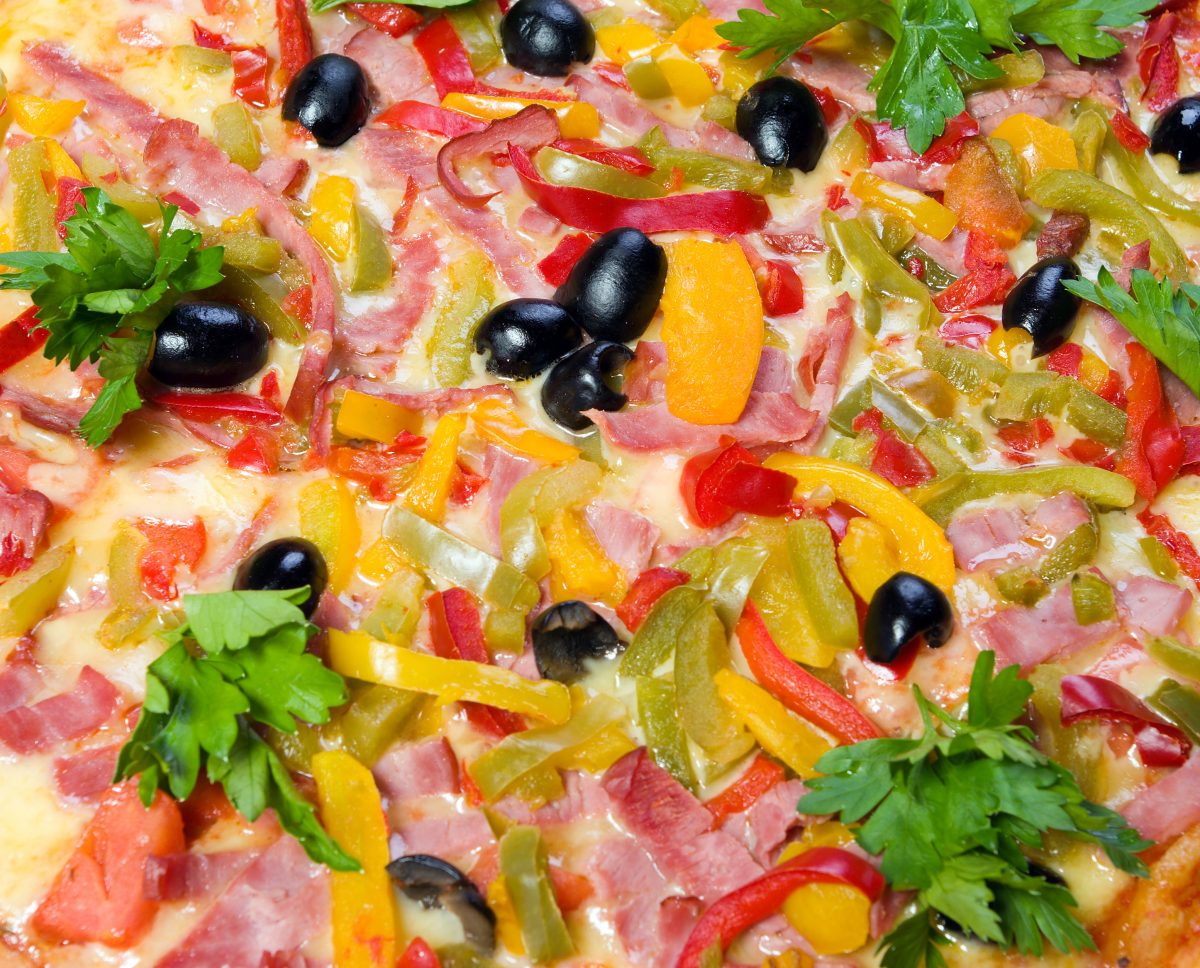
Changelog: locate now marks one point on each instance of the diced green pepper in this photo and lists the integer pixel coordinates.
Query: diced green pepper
(835, 262)
(1180, 704)
(530, 505)
(206, 60)
(33, 228)
(855, 401)
(462, 955)
(240, 287)
(934, 444)
(659, 719)
(1146, 185)
(879, 272)
(372, 260)
(829, 602)
(504, 630)
(251, 251)
(654, 641)
(376, 718)
(701, 649)
(722, 109)
(935, 276)
(1088, 132)
(476, 35)
(1019, 69)
(676, 11)
(967, 370)
(1075, 551)
(1095, 417)
(236, 135)
(461, 306)
(523, 867)
(901, 414)
(563, 168)
(1092, 598)
(1025, 396)
(1159, 558)
(1176, 656)
(893, 232)
(1022, 585)
(735, 567)
(647, 79)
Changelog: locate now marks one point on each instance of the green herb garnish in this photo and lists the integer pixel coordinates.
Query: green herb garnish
(950, 813)
(102, 299)
(238, 660)
(320, 6)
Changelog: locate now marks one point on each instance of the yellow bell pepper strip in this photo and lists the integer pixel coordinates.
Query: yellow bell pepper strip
(868, 556)
(28, 597)
(923, 212)
(786, 737)
(132, 610)
(698, 33)
(658, 715)
(363, 916)
(621, 43)
(236, 135)
(713, 330)
(332, 221)
(688, 81)
(526, 876)
(1040, 145)
(921, 543)
(576, 119)
(826, 597)
(34, 228)
(739, 74)
(702, 650)
(430, 489)
(530, 506)
(363, 416)
(598, 753)
(579, 568)
(372, 260)
(497, 423)
(41, 116)
(357, 655)
(329, 519)
(508, 931)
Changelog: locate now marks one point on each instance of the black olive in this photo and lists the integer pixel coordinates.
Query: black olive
(902, 608)
(1177, 133)
(208, 345)
(783, 123)
(328, 97)
(433, 882)
(285, 563)
(545, 37)
(614, 289)
(580, 382)
(1041, 305)
(566, 636)
(524, 336)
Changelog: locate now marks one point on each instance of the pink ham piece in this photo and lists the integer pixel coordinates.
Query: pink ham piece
(1029, 636)
(389, 154)
(514, 260)
(584, 798)
(24, 517)
(427, 768)
(188, 876)
(280, 174)
(504, 471)
(387, 329)
(989, 540)
(627, 537)
(275, 905)
(824, 360)
(19, 681)
(395, 69)
(1170, 806)
(69, 715)
(86, 775)
(456, 837)
(765, 826)
(1153, 606)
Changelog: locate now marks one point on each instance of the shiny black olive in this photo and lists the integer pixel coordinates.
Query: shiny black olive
(1176, 132)
(524, 336)
(580, 382)
(433, 882)
(285, 563)
(328, 97)
(902, 608)
(1041, 305)
(783, 123)
(545, 37)
(208, 345)
(614, 289)
(566, 636)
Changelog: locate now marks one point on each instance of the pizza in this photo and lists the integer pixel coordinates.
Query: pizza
(599, 483)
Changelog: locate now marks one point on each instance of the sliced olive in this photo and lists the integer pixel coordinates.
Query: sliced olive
(614, 289)
(1041, 305)
(580, 382)
(433, 882)
(783, 122)
(282, 564)
(524, 336)
(1176, 132)
(208, 345)
(545, 37)
(328, 96)
(566, 636)
(902, 608)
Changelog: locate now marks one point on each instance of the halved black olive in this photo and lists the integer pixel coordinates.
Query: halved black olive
(208, 345)
(566, 636)
(524, 336)
(783, 122)
(580, 382)
(902, 608)
(1176, 132)
(328, 96)
(615, 288)
(1041, 305)
(285, 563)
(433, 882)
(545, 37)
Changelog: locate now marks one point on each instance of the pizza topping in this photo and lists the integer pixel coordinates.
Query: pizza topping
(1176, 132)
(522, 337)
(329, 98)
(1042, 305)
(1159, 742)
(209, 345)
(903, 608)
(580, 382)
(615, 287)
(434, 882)
(545, 37)
(783, 123)
(283, 564)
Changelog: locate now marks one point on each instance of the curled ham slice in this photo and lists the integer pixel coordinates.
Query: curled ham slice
(824, 361)
(422, 769)
(1170, 806)
(1029, 636)
(69, 715)
(530, 128)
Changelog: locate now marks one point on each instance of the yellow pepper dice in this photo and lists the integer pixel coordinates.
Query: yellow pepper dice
(332, 206)
(1093, 371)
(247, 221)
(381, 560)
(28, 596)
(698, 33)
(921, 545)
(834, 918)
(364, 918)
(623, 42)
(362, 416)
(576, 119)
(430, 488)
(1003, 343)
(688, 81)
(497, 423)
(1039, 144)
(713, 330)
(62, 165)
(579, 568)
(739, 74)
(329, 519)
(923, 212)
(868, 556)
(785, 736)
(42, 116)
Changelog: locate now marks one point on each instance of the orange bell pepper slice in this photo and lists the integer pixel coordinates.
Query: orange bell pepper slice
(978, 191)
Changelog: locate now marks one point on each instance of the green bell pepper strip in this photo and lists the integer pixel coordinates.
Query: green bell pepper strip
(935, 276)
(252, 252)
(655, 639)
(375, 719)
(459, 562)
(880, 274)
(1095, 417)
(483, 48)
(676, 11)
(529, 506)
(1092, 598)
(722, 109)
(934, 445)
(206, 60)
(504, 630)
(893, 232)
(659, 718)
(526, 876)
(906, 418)
(1180, 704)
(646, 78)
(1020, 69)
(967, 370)
(1159, 558)
(33, 225)
(1075, 551)
(1089, 132)
(829, 602)
(1067, 745)
(835, 262)
(701, 649)
(1146, 185)
(372, 260)
(1175, 656)
(462, 955)
(1022, 585)
(141, 204)
(855, 401)
(573, 171)
(1111, 209)
(460, 308)
(235, 134)
(712, 171)
(940, 499)
(734, 570)
(240, 287)
(1025, 396)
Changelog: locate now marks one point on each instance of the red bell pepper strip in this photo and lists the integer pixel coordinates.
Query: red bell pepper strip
(893, 459)
(418, 954)
(885, 143)
(1025, 437)
(171, 546)
(1129, 134)
(797, 688)
(718, 484)
(970, 329)
(1177, 542)
(257, 451)
(295, 36)
(987, 281)
(429, 118)
(760, 777)
(250, 66)
(70, 198)
(209, 407)
(1158, 62)
(1086, 451)
(723, 213)
(1153, 449)
(647, 589)
(1068, 360)
(630, 159)
(558, 264)
(1159, 742)
(393, 19)
(831, 107)
(299, 303)
(21, 339)
(782, 289)
(762, 897)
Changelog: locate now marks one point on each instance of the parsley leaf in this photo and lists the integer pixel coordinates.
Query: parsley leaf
(950, 813)
(238, 659)
(102, 299)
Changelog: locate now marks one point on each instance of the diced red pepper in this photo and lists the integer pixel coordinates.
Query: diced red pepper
(1028, 435)
(1092, 452)
(299, 303)
(171, 545)
(21, 338)
(761, 776)
(782, 289)
(631, 159)
(418, 954)
(404, 210)
(1153, 449)
(383, 469)
(295, 36)
(885, 143)
(987, 281)
(1160, 743)
(611, 74)
(970, 329)
(558, 264)
(718, 484)
(893, 459)
(393, 19)
(429, 118)
(182, 202)
(794, 243)
(1177, 543)
(465, 485)
(835, 197)
(209, 407)
(1068, 360)
(1158, 62)
(70, 198)
(1129, 134)
(647, 589)
(250, 66)
(831, 107)
(257, 451)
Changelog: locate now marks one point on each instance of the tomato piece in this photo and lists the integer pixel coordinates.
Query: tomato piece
(171, 546)
(257, 451)
(418, 954)
(21, 339)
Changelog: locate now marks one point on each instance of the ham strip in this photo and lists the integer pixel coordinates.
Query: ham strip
(1152, 606)
(392, 155)
(188, 876)
(514, 260)
(396, 70)
(19, 681)
(419, 769)
(69, 715)
(1029, 636)
(823, 362)
(24, 517)
(387, 329)
(86, 775)
(1170, 806)
(627, 537)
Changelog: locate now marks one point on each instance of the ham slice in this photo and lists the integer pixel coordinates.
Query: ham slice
(396, 70)
(824, 361)
(989, 540)
(513, 258)
(1029, 636)
(456, 837)
(765, 826)
(280, 174)
(391, 155)
(419, 769)
(19, 681)
(24, 517)
(387, 329)
(504, 471)
(69, 715)
(627, 537)
(187, 876)
(86, 775)
(583, 798)
(1168, 808)
(1153, 606)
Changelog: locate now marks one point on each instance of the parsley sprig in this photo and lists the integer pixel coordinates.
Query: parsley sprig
(950, 813)
(102, 299)
(238, 660)
(1164, 318)
(917, 88)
